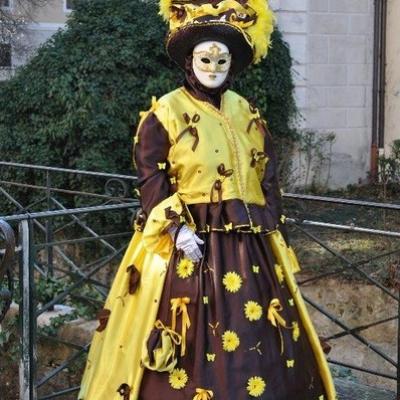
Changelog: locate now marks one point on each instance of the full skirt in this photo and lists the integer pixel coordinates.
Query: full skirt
(242, 329)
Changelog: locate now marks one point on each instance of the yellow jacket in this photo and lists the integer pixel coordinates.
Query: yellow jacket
(211, 156)
(203, 138)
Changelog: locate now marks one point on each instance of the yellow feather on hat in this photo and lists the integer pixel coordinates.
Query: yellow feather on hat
(261, 31)
(253, 19)
(165, 9)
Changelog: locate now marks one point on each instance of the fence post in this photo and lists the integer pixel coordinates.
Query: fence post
(398, 349)
(27, 312)
(49, 227)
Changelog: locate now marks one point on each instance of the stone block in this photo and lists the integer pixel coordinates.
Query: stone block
(274, 4)
(353, 96)
(361, 24)
(347, 49)
(357, 117)
(327, 75)
(318, 5)
(292, 22)
(328, 23)
(299, 75)
(318, 49)
(348, 6)
(359, 74)
(293, 5)
(317, 96)
(326, 118)
(298, 47)
(300, 95)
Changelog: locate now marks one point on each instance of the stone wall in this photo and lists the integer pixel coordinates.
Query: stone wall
(392, 129)
(332, 46)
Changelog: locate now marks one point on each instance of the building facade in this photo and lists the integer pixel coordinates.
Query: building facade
(332, 44)
(332, 47)
(392, 87)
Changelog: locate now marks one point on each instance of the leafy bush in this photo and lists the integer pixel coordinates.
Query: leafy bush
(77, 102)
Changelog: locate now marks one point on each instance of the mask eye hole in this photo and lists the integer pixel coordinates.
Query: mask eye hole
(205, 60)
(221, 62)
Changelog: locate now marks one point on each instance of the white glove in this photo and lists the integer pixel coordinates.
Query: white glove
(187, 241)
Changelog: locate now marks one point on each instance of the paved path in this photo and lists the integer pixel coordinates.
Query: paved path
(348, 390)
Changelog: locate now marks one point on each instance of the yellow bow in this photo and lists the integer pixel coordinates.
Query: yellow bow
(276, 320)
(203, 394)
(179, 306)
(175, 336)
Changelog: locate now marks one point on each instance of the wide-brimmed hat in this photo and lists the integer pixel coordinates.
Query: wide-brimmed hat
(245, 26)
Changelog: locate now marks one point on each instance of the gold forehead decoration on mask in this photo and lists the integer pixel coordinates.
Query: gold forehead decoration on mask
(212, 60)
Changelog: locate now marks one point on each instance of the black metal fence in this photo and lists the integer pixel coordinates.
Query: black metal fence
(76, 249)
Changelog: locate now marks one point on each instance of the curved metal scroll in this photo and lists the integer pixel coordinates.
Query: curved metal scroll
(6, 259)
(116, 187)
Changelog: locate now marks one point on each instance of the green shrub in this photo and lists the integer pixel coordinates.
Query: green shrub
(76, 104)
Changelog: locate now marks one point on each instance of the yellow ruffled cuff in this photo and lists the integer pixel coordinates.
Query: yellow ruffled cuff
(284, 254)
(156, 238)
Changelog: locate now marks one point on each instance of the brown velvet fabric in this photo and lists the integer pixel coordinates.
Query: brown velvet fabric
(259, 350)
(152, 148)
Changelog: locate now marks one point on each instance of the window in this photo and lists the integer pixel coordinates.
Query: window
(68, 5)
(5, 3)
(5, 55)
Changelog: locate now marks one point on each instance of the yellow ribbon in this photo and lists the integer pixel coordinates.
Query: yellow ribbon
(175, 336)
(179, 306)
(276, 319)
(203, 394)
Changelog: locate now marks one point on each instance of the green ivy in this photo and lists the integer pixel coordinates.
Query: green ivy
(77, 103)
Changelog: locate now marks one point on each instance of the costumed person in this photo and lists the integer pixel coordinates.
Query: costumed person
(205, 304)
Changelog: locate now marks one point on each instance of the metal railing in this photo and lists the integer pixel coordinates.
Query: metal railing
(45, 239)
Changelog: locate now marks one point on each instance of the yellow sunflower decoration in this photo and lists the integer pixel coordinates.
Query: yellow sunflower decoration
(230, 341)
(253, 311)
(185, 268)
(256, 386)
(232, 282)
(178, 378)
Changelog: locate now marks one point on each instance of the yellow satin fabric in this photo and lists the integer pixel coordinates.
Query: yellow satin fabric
(115, 354)
(155, 234)
(284, 256)
(178, 307)
(275, 318)
(165, 356)
(203, 137)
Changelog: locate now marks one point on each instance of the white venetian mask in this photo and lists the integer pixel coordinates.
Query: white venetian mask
(211, 63)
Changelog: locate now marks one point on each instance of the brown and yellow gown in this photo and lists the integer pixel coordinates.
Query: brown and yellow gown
(233, 326)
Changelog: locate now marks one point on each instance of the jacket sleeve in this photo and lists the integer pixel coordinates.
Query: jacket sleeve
(273, 196)
(270, 184)
(161, 208)
(150, 158)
